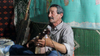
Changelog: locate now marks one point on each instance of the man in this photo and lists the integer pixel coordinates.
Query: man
(60, 41)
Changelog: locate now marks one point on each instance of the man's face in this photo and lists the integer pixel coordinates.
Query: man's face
(53, 16)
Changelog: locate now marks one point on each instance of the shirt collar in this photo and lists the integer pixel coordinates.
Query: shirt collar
(58, 27)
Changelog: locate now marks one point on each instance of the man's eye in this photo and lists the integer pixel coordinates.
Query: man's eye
(51, 12)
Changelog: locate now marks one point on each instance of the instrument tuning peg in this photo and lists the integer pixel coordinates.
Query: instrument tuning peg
(44, 29)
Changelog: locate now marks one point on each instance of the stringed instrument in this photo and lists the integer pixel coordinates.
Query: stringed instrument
(39, 50)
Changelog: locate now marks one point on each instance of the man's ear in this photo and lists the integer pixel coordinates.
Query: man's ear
(61, 14)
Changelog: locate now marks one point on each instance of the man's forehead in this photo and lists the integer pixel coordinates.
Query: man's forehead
(53, 9)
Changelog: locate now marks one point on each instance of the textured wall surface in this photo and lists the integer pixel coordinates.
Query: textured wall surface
(88, 42)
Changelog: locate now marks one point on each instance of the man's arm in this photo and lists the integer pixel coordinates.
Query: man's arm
(53, 44)
(57, 46)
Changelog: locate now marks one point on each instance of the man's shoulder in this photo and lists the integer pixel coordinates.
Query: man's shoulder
(65, 25)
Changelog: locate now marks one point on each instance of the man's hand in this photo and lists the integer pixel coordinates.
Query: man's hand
(40, 43)
(30, 42)
(48, 42)
(36, 42)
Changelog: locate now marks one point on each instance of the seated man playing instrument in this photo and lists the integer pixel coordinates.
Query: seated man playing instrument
(59, 40)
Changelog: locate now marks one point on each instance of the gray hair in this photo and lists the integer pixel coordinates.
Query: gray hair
(59, 8)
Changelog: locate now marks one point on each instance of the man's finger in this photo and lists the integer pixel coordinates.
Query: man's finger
(27, 45)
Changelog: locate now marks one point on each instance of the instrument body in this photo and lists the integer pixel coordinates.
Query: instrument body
(36, 49)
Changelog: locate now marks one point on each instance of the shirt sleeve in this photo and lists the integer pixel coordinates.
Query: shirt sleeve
(68, 40)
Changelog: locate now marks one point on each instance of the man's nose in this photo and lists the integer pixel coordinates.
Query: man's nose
(49, 14)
